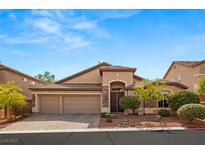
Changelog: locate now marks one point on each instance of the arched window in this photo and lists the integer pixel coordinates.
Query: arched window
(163, 103)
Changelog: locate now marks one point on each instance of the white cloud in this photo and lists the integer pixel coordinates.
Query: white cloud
(63, 29)
(74, 42)
(44, 24)
(23, 40)
(2, 36)
(44, 13)
(85, 25)
(12, 16)
(114, 14)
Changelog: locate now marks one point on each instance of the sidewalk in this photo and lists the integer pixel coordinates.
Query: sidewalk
(97, 130)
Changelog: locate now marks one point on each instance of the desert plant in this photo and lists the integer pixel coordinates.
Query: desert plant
(191, 111)
(163, 112)
(149, 90)
(103, 114)
(11, 98)
(180, 98)
(129, 102)
(108, 119)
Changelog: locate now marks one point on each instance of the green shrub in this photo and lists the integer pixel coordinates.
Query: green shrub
(103, 114)
(129, 102)
(180, 98)
(108, 119)
(191, 111)
(22, 110)
(163, 112)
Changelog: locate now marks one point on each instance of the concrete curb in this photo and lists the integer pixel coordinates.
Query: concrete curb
(96, 130)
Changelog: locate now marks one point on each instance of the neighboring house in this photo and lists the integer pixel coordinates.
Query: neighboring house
(186, 72)
(21, 79)
(94, 90)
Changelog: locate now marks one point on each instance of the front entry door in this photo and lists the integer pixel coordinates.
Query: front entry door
(115, 97)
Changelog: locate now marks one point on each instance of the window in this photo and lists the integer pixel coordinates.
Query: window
(25, 79)
(163, 104)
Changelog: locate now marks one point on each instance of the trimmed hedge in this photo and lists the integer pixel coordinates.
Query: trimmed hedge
(181, 98)
(163, 112)
(129, 102)
(191, 111)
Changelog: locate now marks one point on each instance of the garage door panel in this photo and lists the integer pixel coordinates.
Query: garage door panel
(81, 104)
(49, 104)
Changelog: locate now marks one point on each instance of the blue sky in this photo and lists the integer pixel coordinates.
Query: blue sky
(67, 41)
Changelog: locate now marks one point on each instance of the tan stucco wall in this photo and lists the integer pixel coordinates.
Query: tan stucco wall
(19, 80)
(2, 78)
(186, 73)
(202, 68)
(135, 80)
(89, 77)
(130, 93)
(108, 77)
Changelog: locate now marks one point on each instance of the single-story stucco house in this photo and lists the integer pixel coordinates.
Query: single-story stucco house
(94, 90)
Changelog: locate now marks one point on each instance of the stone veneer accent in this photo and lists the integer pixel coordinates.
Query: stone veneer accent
(105, 96)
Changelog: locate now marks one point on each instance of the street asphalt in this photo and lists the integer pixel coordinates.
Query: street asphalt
(162, 137)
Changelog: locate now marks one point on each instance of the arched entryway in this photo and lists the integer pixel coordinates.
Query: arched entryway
(117, 90)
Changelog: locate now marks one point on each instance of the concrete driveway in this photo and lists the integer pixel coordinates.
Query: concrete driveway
(55, 121)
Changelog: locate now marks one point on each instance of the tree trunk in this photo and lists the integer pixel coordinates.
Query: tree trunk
(5, 112)
(144, 106)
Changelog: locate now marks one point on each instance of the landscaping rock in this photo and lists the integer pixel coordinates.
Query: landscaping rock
(199, 121)
(112, 116)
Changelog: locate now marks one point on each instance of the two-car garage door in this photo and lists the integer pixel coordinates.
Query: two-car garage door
(70, 103)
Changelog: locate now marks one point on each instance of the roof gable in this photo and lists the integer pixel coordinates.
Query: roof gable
(3, 67)
(191, 64)
(84, 72)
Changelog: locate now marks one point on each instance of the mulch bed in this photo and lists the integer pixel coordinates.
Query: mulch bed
(126, 121)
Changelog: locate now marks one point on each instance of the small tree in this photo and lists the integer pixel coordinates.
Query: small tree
(147, 90)
(46, 76)
(130, 102)
(201, 85)
(11, 98)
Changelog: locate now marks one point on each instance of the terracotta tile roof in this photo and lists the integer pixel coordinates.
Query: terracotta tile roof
(69, 86)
